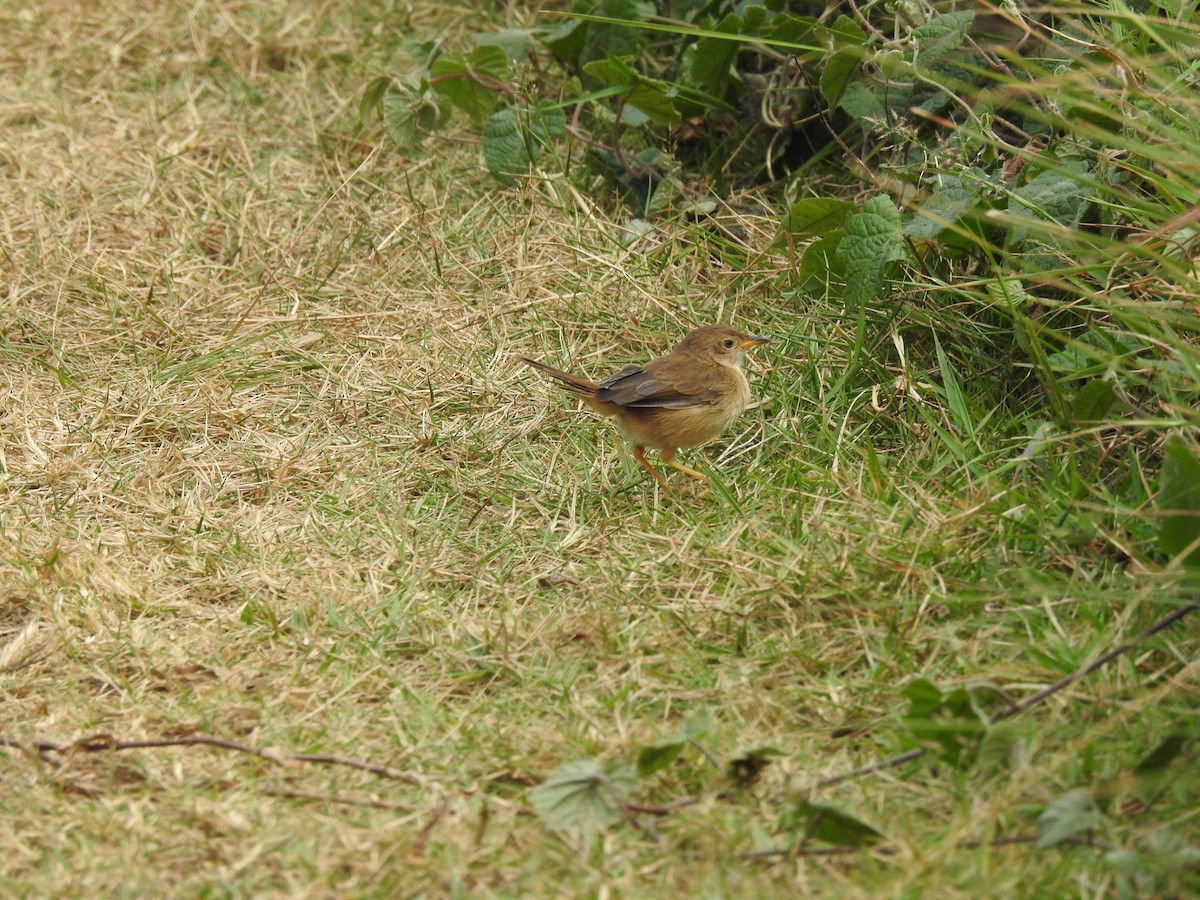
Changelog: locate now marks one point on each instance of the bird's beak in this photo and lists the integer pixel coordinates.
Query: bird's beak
(753, 341)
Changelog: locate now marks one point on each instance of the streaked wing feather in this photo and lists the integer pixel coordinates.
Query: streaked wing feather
(635, 387)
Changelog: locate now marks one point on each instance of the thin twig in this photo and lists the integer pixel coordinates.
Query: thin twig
(890, 849)
(1164, 622)
(98, 743)
(340, 799)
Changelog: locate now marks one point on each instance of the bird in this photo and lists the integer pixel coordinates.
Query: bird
(682, 399)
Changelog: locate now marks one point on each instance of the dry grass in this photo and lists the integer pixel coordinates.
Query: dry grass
(271, 474)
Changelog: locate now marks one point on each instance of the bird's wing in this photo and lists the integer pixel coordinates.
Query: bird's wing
(650, 387)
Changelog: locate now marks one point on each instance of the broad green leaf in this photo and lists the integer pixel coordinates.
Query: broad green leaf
(654, 99)
(1179, 502)
(1066, 816)
(659, 753)
(707, 63)
(940, 35)
(370, 103)
(472, 85)
(504, 147)
(1093, 402)
(515, 42)
(836, 73)
(945, 206)
(1166, 849)
(1057, 197)
(872, 240)
(816, 215)
(410, 110)
(583, 797)
(998, 749)
(861, 102)
(611, 40)
(821, 265)
(566, 41)
(1158, 759)
(923, 696)
(824, 822)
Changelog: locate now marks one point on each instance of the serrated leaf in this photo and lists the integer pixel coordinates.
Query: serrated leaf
(1166, 849)
(1066, 816)
(583, 797)
(946, 205)
(941, 35)
(861, 102)
(409, 111)
(1179, 502)
(1158, 759)
(824, 822)
(816, 215)
(873, 239)
(1093, 402)
(1055, 197)
(514, 42)
(504, 148)
(998, 749)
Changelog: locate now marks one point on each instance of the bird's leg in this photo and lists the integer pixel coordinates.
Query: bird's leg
(668, 456)
(639, 453)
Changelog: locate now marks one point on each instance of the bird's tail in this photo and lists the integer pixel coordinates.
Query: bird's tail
(572, 383)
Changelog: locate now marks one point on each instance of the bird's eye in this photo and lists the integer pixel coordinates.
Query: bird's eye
(727, 343)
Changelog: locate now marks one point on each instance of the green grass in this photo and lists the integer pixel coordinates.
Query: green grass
(273, 473)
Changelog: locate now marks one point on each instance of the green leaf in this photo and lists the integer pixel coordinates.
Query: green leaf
(861, 102)
(821, 265)
(960, 412)
(659, 753)
(473, 84)
(514, 42)
(653, 98)
(836, 73)
(410, 110)
(1179, 502)
(1093, 402)
(873, 239)
(1058, 197)
(1158, 759)
(504, 147)
(566, 41)
(1066, 816)
(370, 103)
(707, 63)
(923, 696)
(582, 797)
(941, 35)
(824, 822)
(816, 215)
(948, 203)
(511, 139)
(998, 749)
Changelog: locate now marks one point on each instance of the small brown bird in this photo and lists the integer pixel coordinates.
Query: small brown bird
(685, 398)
